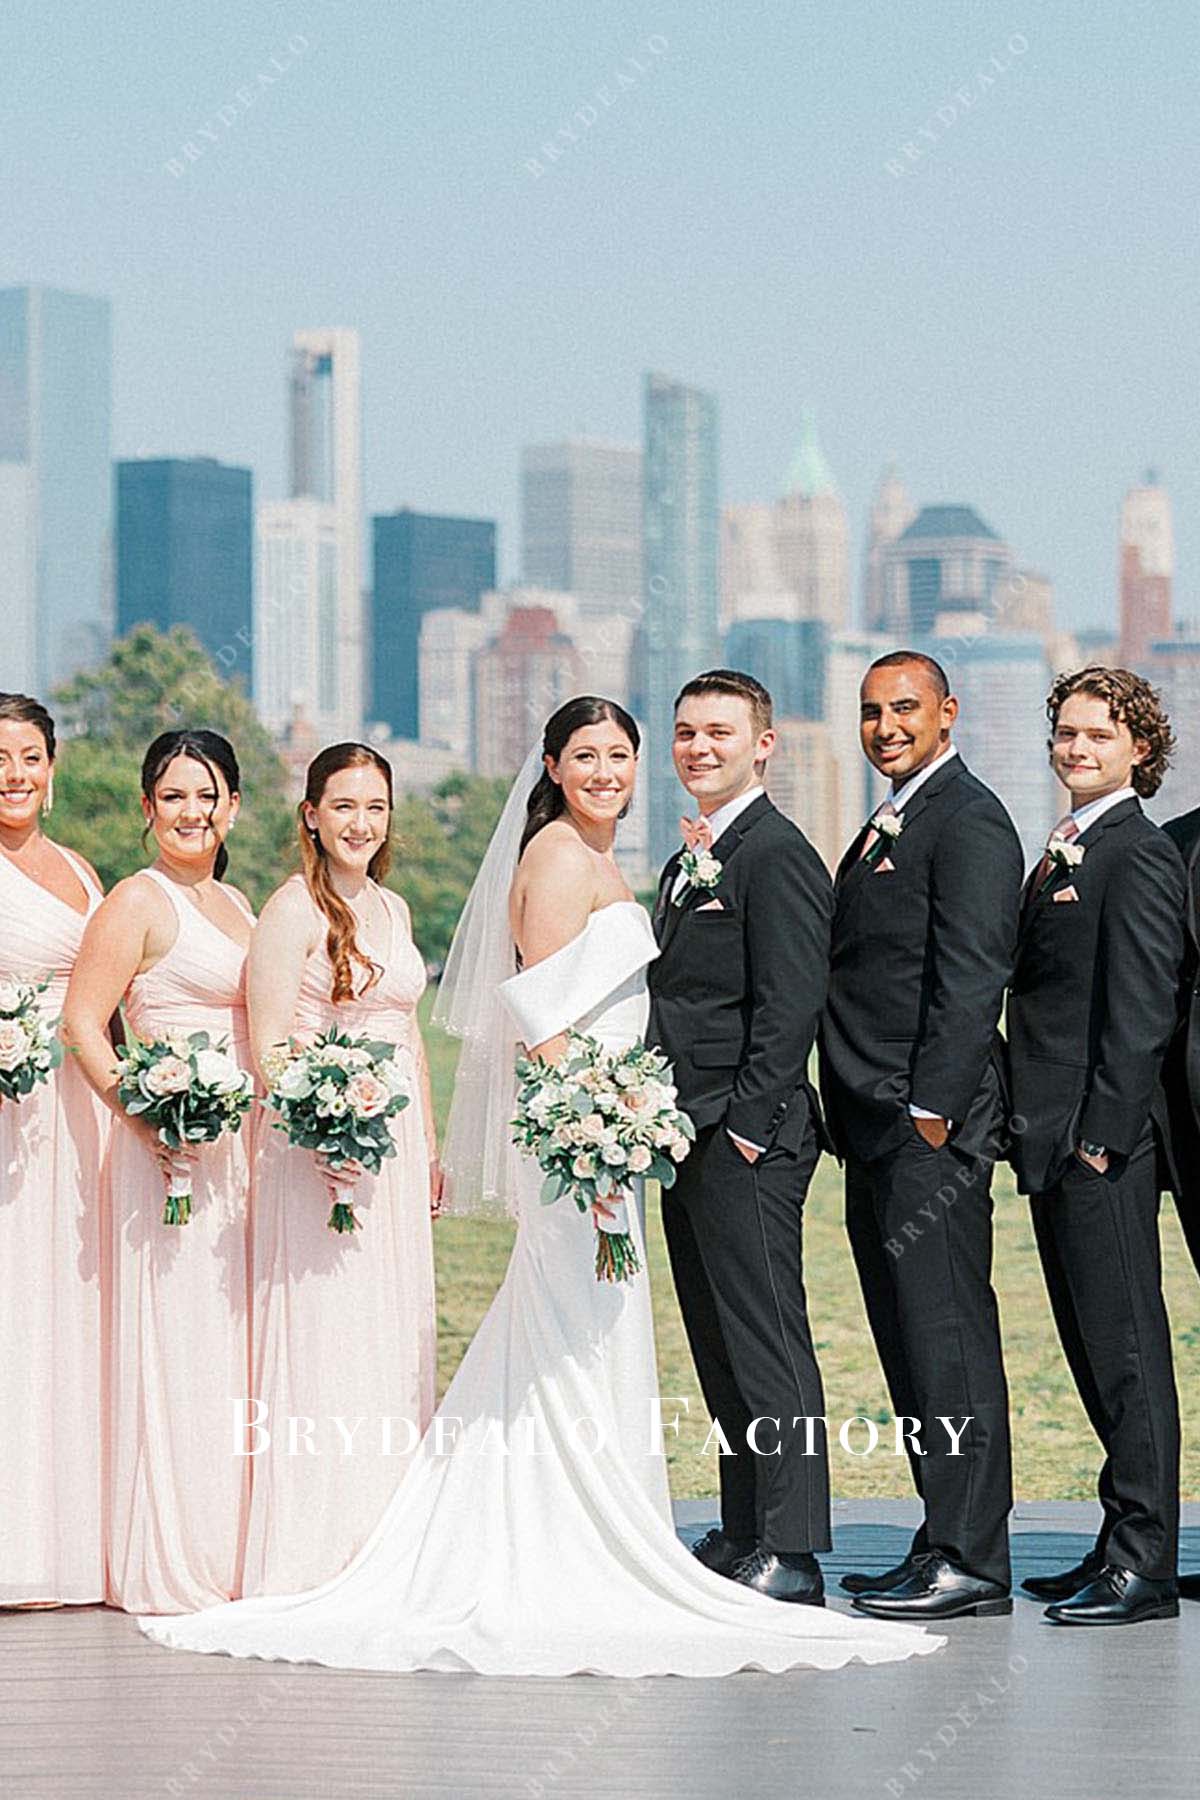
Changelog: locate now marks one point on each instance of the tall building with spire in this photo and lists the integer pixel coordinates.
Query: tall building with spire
(308, 636)
(891, 513)
(1147, 564)
(679, 631)
(789, 559)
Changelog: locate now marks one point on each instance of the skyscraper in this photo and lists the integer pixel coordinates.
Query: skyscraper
(55, 484)
(1147, 563)
(891, 513)
(422, 562)
(680, 627)
(185, 554)
(942, 572)
(309, 611)
(581, 522)
(788, 560)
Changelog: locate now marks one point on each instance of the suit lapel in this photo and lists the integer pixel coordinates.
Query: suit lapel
(853, 870)
(1060, 877)
(724, 849)
(663, 898)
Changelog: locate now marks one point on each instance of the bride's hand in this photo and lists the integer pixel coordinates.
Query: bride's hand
(437, 1185)
(601, 1211)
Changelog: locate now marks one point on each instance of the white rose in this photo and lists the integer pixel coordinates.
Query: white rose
(584, 1167)
(614, 1155)
(218, 1071)
(295, 1082)
(10, 996)
(14, 1045)
(593, 1128)
(639, 1159)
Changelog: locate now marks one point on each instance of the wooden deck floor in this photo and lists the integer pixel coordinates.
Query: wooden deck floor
(1014, 1710)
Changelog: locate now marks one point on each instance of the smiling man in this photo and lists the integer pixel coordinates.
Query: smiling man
(924, 932)
(1092, 1009)
(743, 921)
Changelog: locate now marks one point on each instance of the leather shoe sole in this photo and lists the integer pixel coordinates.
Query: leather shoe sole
(1138, 1615)
(919, 1611)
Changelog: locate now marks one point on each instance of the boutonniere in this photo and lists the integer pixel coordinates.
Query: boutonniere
(888, 827)
(701, 869)
(1064, 854)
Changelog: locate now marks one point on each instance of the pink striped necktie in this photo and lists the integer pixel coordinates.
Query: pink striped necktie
(886, 811)
(1066, 829)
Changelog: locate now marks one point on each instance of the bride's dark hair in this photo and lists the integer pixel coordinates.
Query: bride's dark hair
(546, 800)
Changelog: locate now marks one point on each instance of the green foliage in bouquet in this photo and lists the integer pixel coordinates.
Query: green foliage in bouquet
(596, 1120)
(30, 1048)
(190, 1090)
(336, 1098)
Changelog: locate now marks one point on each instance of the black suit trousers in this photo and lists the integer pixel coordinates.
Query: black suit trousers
(1098, 1240)
(734, 1233)
(920, 1226)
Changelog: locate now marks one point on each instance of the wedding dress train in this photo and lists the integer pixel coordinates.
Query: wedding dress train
(531, 1533)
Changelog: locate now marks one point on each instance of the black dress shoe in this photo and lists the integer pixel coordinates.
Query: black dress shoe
(1189, 1587)
(720, 1553)
(936, 1589)
(798, 1579)
(878, 1584)
(1064, 1586)
(1117, 1597)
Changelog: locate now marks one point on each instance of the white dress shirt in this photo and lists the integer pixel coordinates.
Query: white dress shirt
(719, 822)
(1095, 809)
(900, 798)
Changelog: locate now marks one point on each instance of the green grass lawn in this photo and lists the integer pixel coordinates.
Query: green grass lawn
(1055, 1453)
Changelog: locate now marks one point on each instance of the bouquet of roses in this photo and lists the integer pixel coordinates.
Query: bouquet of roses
(191, 1091)
(594, 1120)
(336, 1096)
(29, 1045)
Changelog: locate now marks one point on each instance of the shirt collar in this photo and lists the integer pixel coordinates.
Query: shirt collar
(1096, 809)
(901, 797)
(720, 821)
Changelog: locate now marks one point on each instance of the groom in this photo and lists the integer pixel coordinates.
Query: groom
(743, 923)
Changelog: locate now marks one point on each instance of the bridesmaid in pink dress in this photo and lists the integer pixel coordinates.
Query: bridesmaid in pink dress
(171, 941)
(344, 1327)
(50, 1148)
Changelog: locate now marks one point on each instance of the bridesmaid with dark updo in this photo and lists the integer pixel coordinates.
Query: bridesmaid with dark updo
(171, 943)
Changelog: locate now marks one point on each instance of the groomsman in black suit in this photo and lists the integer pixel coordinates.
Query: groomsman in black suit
(1090, 1015)
(1181, 1073)
(924, 934)
(743, 919)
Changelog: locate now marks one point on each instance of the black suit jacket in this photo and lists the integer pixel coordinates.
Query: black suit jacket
(921, 956)
(1179, 1113)
(737, 989)
(1094, 996)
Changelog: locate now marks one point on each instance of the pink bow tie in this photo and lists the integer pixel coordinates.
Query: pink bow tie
(697, 833)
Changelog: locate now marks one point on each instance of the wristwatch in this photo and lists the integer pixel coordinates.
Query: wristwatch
(1090, 1149)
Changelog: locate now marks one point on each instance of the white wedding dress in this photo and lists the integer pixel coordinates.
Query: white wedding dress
(531, 1533)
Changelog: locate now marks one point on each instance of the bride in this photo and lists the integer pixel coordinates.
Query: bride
(531, 1533)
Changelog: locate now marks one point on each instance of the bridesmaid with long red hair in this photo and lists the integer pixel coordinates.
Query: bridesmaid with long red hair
(171, 943)
(344, 1333)
(51, 1141)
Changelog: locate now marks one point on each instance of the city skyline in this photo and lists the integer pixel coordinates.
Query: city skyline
(735, 217)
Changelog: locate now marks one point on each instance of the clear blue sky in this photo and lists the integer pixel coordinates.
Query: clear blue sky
(1014, 319)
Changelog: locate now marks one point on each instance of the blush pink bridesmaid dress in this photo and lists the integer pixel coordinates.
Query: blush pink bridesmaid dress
(344, 1325)
(177, 1487)
(51, 1144)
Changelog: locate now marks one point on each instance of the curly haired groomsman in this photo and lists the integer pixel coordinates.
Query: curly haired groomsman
(1090, 1015)
(924, 932)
